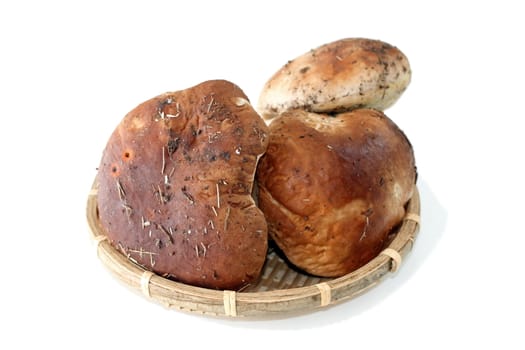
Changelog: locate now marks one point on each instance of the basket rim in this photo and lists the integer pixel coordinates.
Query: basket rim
(178, 295)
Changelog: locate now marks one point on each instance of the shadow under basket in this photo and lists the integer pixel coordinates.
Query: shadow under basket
(281, 290)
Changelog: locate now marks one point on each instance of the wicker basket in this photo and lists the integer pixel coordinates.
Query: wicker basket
(280, 291)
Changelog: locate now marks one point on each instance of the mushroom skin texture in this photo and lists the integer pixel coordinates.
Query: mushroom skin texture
(175, 186)
(339, 76)
(332, 187)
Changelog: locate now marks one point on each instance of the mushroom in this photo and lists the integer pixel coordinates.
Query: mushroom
(175, 186)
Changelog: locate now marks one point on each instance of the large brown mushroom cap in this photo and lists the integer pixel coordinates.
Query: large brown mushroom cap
(175, 185)
(333, 187)
(339, 76)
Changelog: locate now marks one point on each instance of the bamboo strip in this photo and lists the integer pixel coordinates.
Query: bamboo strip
(265, 299)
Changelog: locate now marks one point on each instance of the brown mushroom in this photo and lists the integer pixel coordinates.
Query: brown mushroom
(175, 184)
(339, 76)
(332, 187)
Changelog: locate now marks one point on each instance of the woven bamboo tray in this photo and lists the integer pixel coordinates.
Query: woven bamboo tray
(280, 291)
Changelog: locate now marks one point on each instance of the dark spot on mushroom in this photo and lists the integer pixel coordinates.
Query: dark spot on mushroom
(115, 170)
(210, 156)
(225, 155)
(127, 155)
(173, 145)
(238, 131)
(304, 69)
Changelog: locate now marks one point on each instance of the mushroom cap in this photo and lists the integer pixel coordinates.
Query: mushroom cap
(333, 187)
(175, 185)
(340, 76)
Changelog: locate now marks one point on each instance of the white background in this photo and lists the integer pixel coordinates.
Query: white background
(70, 71)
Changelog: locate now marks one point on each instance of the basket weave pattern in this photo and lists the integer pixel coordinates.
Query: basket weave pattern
(280, 290)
